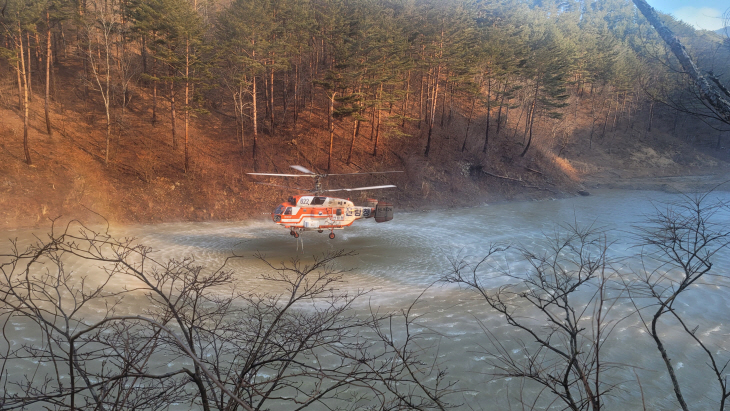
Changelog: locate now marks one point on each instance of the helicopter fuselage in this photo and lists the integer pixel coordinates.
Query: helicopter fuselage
(317, 212)
(310, 212)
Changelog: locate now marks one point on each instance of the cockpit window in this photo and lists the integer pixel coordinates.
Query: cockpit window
(279, 209)
(288, 211)
(318, 200)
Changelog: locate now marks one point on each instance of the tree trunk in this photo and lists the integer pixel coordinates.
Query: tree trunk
(285, 95)
(651, 116)
(452, 92)
(615, 113)
(432, 107)
(107, 102)
(355, 126)
(517, 126)
(254, 117)
(443, 103)
(254, 110)
(187, 104)
(708, 92)
(49, 54)
(420, 102)
(25, 90)
(667, 361)
(528, 120)
(20, 79)
(71, 376)
(489, 114)
(154, 92)
(377, 134)
(296, 88)
(532, 118)
(605, 120)
(468, 123)
(377, 123)
(143, 53)
(108, 135)
(173, 114)
(593, 121)
(238, 105)
(38, 52)
(405, 101)
(331, 129)
(28, 76)
(267, 102)
(372, 123)
(271, 99)
(501, 104)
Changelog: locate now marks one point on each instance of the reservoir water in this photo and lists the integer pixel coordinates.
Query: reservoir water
(400, 259)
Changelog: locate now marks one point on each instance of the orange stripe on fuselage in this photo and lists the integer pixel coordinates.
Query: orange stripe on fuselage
(295, 220)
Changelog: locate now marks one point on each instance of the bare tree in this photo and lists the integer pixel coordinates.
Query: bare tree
(404, 379)
(680, 242)
(142, 333)
(100, 29)
(238, 86)
(562, 304)
(83, 354)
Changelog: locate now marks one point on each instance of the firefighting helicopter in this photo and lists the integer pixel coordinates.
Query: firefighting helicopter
(316, 211)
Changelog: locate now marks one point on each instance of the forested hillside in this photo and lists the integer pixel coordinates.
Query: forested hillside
(154, 110)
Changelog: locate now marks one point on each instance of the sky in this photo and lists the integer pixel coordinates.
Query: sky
(702, 14)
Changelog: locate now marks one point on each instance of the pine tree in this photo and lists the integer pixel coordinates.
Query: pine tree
(548, 64)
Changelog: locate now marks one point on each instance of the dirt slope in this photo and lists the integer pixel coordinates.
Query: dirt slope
(145, 182)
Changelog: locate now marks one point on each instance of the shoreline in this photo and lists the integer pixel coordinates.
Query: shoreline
(705, 180)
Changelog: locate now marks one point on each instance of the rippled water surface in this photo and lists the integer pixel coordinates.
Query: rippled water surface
(399, 259)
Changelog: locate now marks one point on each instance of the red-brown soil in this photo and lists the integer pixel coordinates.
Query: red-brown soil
(145, 182)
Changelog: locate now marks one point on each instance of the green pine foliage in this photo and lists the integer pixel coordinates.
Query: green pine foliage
(398, 69)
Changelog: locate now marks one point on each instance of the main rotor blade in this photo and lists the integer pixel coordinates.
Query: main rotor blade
(286, 187)
(364, 172)
(281, 175)
(362, 188)
(303, 169)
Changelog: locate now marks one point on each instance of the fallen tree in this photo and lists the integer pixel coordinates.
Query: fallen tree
(715, 94)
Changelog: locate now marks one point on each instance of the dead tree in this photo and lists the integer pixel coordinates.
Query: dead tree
(716, 95)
